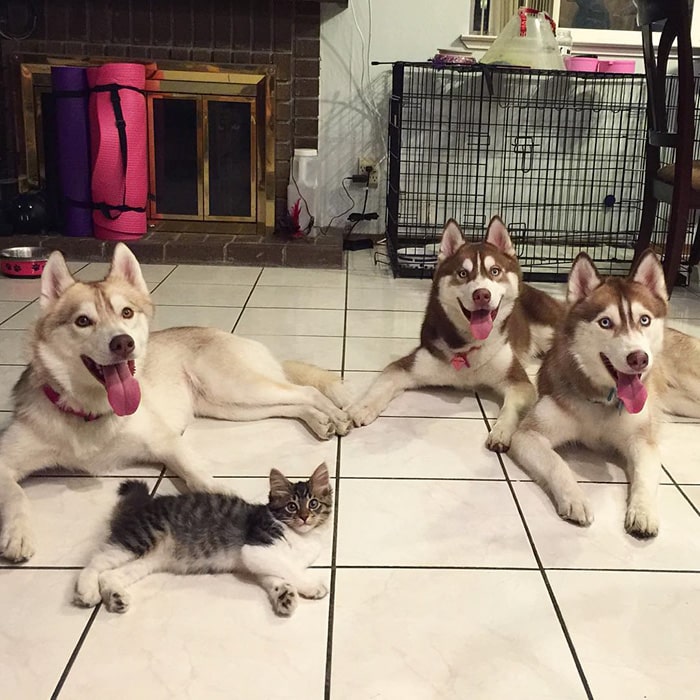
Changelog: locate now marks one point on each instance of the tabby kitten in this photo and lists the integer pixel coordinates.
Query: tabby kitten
(209, 532)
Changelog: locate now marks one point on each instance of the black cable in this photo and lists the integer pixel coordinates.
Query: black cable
(362, 214)
(351, 207)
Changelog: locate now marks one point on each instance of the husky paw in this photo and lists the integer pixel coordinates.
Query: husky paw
(499, 439)
(284, 599)
(116, 601)
(363, 413)
(313, 590)
(17, 541)
(322, 426)
(340, 394)
(342, 424)
(641, 522)
(575, 509)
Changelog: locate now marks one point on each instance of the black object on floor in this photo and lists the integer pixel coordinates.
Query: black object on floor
(358, 244)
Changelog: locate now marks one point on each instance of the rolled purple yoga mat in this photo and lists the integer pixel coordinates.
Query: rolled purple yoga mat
(70, 89)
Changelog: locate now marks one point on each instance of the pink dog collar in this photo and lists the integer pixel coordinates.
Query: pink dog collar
(461, 359)
(54, 397)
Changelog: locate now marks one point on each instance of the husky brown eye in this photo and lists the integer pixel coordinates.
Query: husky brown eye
(606, 323)
(462, 273)
(313, 504)
(644, 320)
(83, 322)
(292, 507)
(127, 312)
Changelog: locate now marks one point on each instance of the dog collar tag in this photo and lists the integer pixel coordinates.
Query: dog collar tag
(460, 360)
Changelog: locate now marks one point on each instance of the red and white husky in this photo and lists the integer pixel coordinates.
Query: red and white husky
(482, 324)
(611, 369)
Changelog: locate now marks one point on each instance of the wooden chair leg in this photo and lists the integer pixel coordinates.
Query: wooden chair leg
(675, 241)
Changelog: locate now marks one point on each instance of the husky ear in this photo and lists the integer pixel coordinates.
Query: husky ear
(583, 278)
(497, 234)
(280, 485)
(320, 482)
(648, 271)
(125, 266)
(452, 240)
(55, 279)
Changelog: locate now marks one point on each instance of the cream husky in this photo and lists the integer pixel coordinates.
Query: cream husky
(99, 391)
(482, 324)
(611, 369)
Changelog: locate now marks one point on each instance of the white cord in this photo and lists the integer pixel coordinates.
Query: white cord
(365, 84)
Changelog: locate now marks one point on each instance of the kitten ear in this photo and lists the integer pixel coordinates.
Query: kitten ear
(583, 278)
(55, 279)
(648, 271)
(279, 484)
(452, 240)
(497, 234)
(125, 266)
(320, 481)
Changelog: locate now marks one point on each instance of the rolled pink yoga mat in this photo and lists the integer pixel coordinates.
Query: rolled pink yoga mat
(118, 138)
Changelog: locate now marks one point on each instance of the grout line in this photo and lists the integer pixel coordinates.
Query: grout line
(543, 572)
(19, 311)
(76, 651)
(161, 282)
(25, 567)
(334, 549)
(245, 303)
(682, 492)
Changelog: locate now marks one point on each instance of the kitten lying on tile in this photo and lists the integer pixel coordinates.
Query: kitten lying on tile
(213, 532)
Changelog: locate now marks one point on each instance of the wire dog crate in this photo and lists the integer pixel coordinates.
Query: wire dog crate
(559, 156)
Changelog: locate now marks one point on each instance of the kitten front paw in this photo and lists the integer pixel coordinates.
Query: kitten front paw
(116, 601)
(284, 599)
(313, 590)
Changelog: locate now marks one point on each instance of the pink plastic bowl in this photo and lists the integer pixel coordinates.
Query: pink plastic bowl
(584, 64)
(22, 262)
(621, 66)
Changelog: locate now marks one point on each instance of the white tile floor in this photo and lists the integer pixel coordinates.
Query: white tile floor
(450, 575)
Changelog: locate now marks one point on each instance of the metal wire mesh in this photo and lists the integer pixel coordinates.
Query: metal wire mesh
(558, 155)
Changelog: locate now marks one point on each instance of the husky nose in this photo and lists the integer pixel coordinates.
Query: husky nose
(638, 360)
(481, 296)
(122, 345)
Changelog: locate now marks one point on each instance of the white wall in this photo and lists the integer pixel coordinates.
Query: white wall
(408, 30)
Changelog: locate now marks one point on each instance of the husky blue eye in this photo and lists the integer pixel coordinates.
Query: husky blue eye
(644, 320)
(495, 271)
(83, 322)
(462, 273)
(605, 322)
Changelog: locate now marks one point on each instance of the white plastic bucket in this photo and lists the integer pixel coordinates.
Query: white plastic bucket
(301, 191)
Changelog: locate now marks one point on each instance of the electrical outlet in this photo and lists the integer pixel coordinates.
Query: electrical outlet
(365, 163)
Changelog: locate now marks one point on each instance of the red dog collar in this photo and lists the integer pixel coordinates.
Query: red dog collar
(54, 397)
(461, 359)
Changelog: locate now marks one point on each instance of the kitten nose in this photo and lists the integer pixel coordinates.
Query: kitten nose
(122, 345)
(638, 360)
(303, 517)
(481, 296)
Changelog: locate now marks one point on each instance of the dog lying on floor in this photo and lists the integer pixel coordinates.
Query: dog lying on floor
(611, 370)
(100, 390)
(481, 325)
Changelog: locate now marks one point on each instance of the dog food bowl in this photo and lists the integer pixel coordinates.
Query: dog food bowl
(22, 262)
(620, 66)
(581, 64)
(418, 257)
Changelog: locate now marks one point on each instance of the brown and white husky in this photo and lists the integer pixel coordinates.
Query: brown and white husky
(100, 390)
(611, 369)
(481, 325)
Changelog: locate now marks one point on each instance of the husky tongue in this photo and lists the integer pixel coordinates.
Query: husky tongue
(481, 323)
(123, 391)
(631, 392)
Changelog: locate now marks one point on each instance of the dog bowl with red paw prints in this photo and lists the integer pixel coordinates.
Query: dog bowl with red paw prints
(22, 262)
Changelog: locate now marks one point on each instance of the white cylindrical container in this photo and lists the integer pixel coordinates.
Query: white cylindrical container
(301, 191)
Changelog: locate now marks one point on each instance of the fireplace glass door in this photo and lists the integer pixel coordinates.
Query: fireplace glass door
(202, 157)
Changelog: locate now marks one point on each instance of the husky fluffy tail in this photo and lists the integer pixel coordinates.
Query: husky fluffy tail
(133, 491)
(329, 384)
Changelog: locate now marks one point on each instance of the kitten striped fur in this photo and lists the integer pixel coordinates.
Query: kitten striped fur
(213, 532)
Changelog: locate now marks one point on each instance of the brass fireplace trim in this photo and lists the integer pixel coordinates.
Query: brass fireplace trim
(252, 83)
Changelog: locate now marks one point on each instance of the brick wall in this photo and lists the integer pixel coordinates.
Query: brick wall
(284, 33)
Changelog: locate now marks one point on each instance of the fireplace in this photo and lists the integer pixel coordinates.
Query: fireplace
(211, 143)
